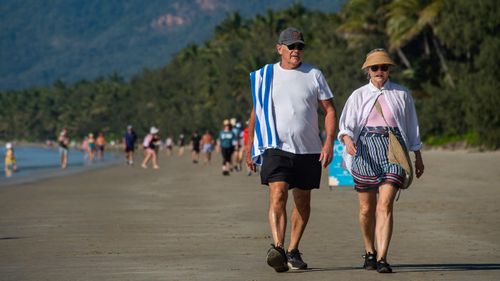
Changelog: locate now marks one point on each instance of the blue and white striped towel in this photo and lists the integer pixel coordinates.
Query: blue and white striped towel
(265, 134)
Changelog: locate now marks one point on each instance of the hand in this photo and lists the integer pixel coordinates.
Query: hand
(350, 147)
(419, 167)
(248, 160)
(326, 155)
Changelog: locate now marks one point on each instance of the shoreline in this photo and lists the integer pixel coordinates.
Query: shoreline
(48, 171)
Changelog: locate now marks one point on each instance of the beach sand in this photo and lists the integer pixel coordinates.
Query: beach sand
(188, 222)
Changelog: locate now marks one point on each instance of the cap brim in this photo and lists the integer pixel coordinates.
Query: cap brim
(290, 42)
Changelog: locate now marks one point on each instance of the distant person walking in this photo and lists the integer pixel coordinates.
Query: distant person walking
(10, 160)
(246, 145)
(129, 140)
(100, 145)
(238, 150)
(85, 148)
(169, 145)
(63, 141)
(182, 143)
(286, 98)
(91, 143)
(207, 143)
(149, 145)
(364, 129)
(226, 145)
(195, 147)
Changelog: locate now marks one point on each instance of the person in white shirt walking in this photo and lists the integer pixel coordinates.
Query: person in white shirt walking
(284, 137)
(364, 131)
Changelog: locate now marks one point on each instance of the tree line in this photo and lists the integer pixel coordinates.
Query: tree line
(447, 53)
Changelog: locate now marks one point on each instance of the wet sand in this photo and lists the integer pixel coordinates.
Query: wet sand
(188, 222)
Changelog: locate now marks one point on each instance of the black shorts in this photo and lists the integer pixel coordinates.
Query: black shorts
(298, 170)
(226, 154)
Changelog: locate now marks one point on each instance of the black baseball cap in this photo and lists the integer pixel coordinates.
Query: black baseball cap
(291, 35)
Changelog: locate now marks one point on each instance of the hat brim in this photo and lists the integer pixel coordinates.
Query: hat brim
(377, 58)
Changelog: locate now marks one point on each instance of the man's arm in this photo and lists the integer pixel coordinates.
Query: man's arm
(251, 129)
(330, 123)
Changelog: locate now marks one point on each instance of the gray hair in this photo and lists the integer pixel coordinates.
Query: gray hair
(377, 50)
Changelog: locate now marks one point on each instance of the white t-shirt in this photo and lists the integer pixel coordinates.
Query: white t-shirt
(295, 94)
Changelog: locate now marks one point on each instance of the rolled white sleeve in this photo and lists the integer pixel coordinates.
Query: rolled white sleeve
(413, 133)
(348, 119)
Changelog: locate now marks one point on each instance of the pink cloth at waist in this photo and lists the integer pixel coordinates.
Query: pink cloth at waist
(375, 119)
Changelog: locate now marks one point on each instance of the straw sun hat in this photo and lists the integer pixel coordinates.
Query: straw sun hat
(377, 57)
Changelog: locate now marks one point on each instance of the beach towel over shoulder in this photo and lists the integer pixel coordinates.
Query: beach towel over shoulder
(265, 134)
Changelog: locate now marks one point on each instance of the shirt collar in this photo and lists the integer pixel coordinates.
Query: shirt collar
(387, 86)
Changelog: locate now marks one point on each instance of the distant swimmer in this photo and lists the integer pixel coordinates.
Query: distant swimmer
(10, 160)
(85, 148)
(63, 142)
(91, 147)
(100, 143)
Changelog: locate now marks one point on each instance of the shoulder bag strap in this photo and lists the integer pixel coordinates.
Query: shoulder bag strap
(379, 110)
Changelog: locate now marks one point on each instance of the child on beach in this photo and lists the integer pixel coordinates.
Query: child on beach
(10, 160)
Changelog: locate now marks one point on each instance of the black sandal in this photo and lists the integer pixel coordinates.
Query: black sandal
(383, 266)
(370, 261)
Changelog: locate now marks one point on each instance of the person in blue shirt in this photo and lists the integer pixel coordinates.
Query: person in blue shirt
(129, 140)
(225, 142)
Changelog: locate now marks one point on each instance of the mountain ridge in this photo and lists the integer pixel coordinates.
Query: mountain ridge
(71, 40)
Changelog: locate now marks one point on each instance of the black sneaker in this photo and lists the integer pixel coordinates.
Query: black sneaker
(276, 258)
(383, 267)
(370, 261)
(295, 260)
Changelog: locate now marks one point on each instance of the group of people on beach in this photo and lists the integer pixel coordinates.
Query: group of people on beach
(232, 143)
(282, 137)
(284, 141)
(91, 147)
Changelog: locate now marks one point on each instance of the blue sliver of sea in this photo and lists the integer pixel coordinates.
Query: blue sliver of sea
(35, 163)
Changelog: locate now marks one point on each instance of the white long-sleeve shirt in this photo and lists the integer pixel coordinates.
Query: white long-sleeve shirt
(360, 103)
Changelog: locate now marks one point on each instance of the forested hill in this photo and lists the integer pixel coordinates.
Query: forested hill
(45, 40)
(447, 51)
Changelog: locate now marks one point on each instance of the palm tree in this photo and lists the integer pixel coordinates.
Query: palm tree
(409, 19)
(362, 18)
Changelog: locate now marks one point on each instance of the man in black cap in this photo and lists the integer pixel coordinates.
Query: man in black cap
(284, 139)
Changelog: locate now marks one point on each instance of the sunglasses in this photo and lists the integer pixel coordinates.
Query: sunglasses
(296, 46)
(383, 67)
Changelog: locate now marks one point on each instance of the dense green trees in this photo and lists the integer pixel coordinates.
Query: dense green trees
(448, 54)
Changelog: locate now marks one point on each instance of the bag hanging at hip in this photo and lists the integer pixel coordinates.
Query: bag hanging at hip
(397, 153)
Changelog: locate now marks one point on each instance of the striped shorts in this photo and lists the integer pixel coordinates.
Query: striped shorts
(370, 167)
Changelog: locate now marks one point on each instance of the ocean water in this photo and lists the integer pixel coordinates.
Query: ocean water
(35, 163)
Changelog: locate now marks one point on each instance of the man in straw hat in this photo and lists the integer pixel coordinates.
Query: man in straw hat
(284, 139)
(368, 115)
